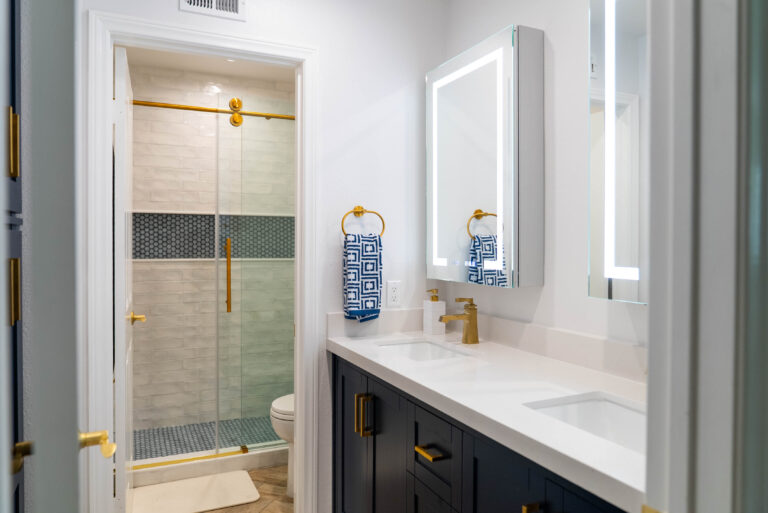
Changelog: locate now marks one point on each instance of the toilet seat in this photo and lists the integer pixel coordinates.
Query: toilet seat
(282, 408)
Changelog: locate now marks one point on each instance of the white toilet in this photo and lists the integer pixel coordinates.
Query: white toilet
(281, 415)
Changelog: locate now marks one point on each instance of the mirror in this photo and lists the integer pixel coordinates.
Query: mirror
(484, 142)
(618, 164)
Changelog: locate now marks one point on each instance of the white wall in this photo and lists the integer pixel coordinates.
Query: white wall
(563, 301)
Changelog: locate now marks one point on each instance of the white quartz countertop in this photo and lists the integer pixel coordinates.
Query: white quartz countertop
(487, 388)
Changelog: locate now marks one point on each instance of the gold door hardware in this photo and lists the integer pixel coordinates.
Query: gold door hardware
(14, 138)
(477, 214)
(532, 508)
(361, 403)
(469, 317)
(133, 318)
(429, 453)
(235, 110)
(100, 438)
(229, 275)
(14, 286)
(358, 211)
(20, 451)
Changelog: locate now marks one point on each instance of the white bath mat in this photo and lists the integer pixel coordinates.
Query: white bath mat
(196, 494)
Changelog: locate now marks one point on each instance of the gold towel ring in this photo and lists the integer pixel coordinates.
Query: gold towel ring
(478, 214)
(359, 211)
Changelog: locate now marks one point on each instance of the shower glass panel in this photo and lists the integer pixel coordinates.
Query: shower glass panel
(256, 215)
(205, 375)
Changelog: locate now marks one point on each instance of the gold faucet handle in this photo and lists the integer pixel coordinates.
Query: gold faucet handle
(434, 297)
(469, 300)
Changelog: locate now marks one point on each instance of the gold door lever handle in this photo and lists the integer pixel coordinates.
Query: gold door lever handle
(100, 438)
(133, 318)
(20, 451)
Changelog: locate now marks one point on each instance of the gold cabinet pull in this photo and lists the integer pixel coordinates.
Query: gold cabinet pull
(429, 453)
(20, 451)
(133, 318)
(365, 399)
(229, 275)
(533, 508)
(357, 412)
(100, 438)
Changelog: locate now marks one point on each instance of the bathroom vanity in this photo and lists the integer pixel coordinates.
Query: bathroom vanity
(426, 424)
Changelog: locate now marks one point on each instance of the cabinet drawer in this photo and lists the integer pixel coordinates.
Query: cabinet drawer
(423, 500)
(434, 454)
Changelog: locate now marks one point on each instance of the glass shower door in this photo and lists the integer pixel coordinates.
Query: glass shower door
(256, 215)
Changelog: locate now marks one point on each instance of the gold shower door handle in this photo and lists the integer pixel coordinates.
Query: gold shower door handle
(229, 275)
(133, 318)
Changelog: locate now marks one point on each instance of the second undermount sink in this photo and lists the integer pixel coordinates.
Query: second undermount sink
(419, 350)
(604, 415)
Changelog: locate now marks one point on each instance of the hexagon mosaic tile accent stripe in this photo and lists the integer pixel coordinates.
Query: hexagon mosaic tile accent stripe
(257, 236)
(168, 236)
(173, 236)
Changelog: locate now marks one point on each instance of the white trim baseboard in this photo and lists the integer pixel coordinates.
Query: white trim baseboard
(94, 228)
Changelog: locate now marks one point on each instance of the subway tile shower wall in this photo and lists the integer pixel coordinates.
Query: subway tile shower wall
(186, 166)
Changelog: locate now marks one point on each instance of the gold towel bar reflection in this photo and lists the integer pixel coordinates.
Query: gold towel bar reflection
(478, 214)
(235, 106)
(359, 211)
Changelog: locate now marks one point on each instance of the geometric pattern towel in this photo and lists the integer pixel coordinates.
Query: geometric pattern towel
(485, 248)
(362, 276)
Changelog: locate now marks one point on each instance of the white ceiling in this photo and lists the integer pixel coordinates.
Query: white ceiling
(209, 64)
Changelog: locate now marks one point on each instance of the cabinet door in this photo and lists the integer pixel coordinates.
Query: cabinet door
(352, 473)
(389, 444)
(561, 500)
(495, 479)
(423, 500)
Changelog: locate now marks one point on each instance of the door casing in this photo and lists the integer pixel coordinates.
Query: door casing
(95, 230)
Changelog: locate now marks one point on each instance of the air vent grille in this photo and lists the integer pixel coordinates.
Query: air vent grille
(232, 9)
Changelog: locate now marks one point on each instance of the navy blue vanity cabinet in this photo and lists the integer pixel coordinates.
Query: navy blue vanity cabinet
(369, 444)
(434, 453)
(495, 479)
(423, 500)
(395, 454)
(352, 472)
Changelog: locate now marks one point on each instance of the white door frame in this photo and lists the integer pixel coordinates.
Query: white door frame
(94, 265)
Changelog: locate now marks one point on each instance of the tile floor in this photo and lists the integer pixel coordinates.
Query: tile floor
(270, 482)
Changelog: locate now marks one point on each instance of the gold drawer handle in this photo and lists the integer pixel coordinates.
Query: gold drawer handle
(430, 454)
(533, 508)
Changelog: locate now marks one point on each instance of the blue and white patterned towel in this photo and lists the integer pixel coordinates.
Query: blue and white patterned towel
(485, 248)
(362, 276)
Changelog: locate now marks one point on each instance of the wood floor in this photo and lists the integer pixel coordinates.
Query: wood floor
(270, 482)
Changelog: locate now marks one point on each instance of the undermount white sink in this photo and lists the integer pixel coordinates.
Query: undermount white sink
(419, 350)
(604, 415)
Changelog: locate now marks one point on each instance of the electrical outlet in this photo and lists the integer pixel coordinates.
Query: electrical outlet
(393, 293)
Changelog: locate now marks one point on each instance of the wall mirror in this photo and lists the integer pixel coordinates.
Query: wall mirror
(485, 221)
(618, 163)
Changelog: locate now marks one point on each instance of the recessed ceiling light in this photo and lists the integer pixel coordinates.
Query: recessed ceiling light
(230, 60)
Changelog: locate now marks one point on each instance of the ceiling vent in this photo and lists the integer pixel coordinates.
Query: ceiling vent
(231, 9)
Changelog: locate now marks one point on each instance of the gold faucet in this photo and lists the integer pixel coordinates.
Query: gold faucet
(469, 335)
